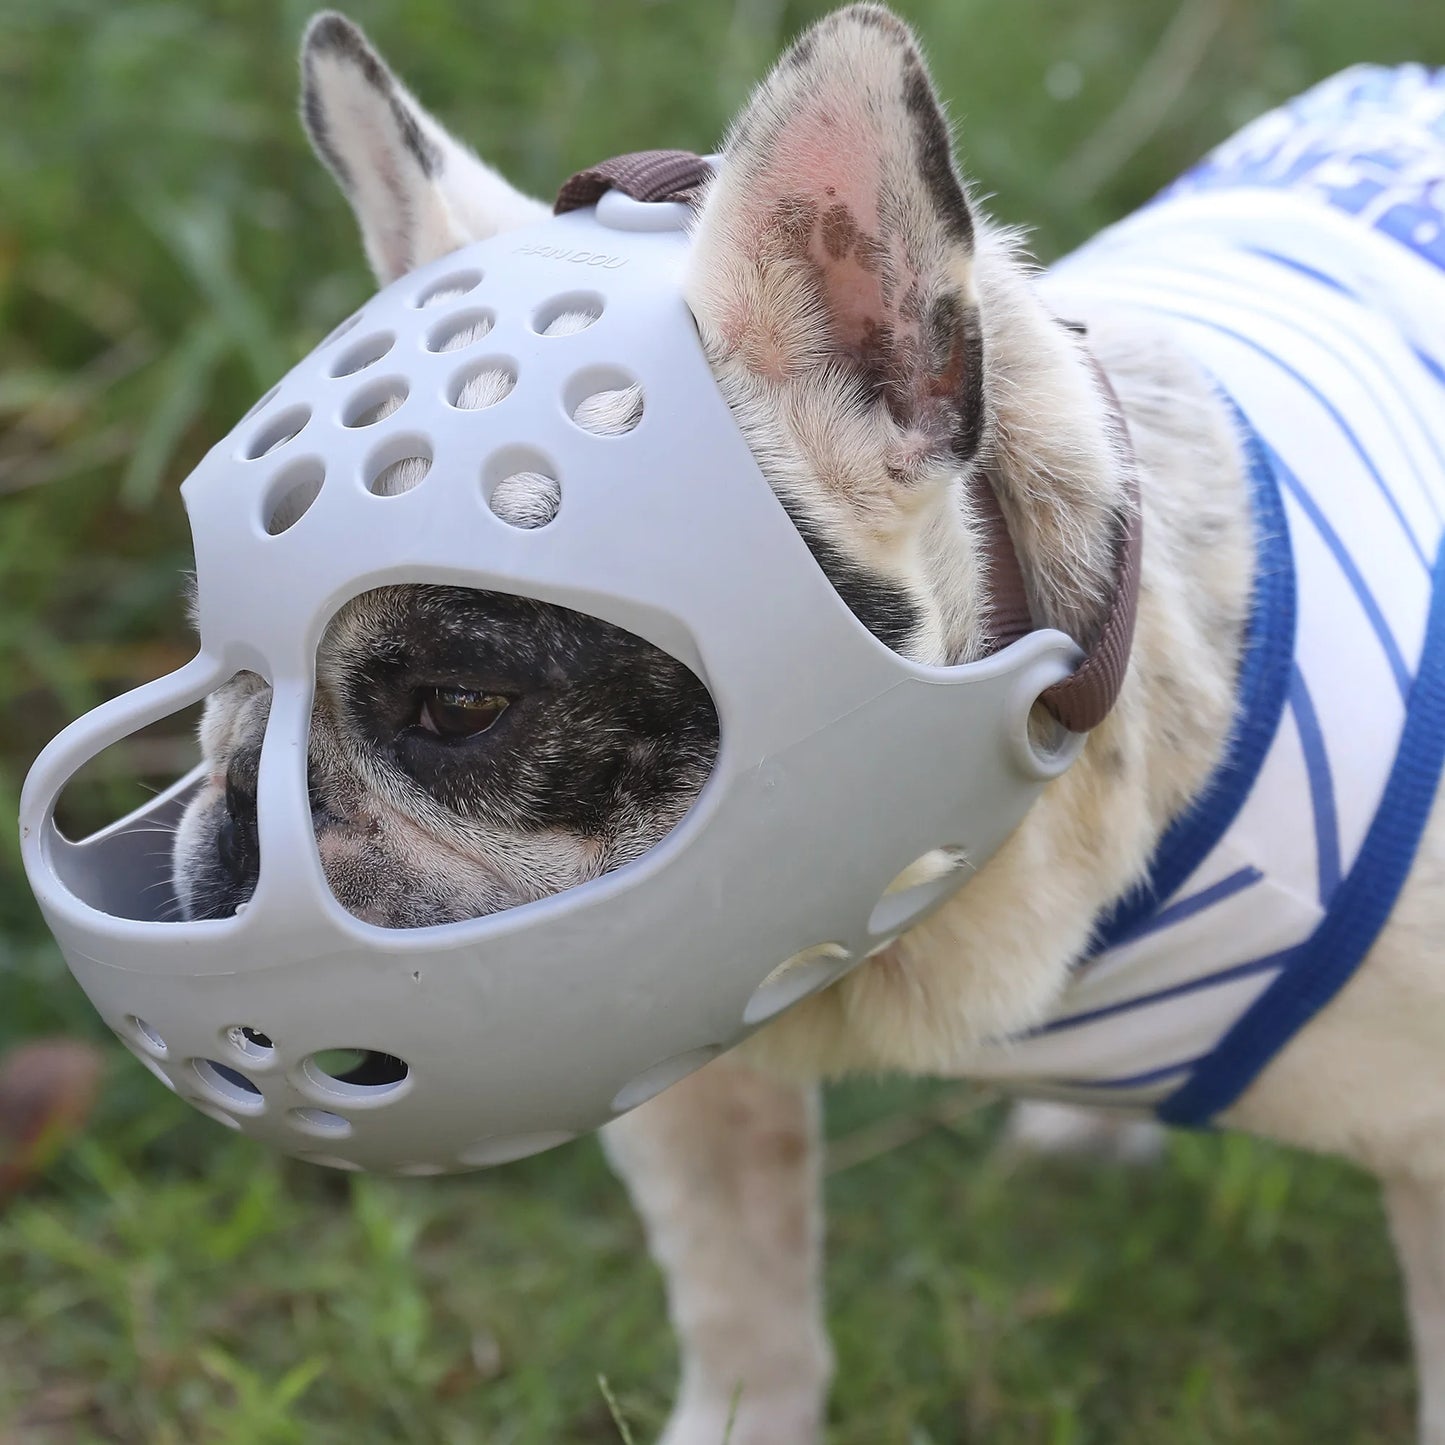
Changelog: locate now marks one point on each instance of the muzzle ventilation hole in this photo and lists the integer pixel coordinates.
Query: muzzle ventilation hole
(360, 1074)
(361, 354)
(320, 1122)
(228, 1086)
(290, 495)
(459, 331)
(521, 487)
(583, 306)
(806, 972)
(653, 1081)
(398, 464)
(603, 400)
(456, 283)
(145, 1035)
(482, 384)
(276, 432)
(375, 402)
(252, 1043)
(923, 883)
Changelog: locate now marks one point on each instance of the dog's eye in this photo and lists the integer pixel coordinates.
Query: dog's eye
(459, 712)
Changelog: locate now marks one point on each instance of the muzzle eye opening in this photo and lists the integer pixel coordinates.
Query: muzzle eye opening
(604, 743)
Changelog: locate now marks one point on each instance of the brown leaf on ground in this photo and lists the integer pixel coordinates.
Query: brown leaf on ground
(47, 1088)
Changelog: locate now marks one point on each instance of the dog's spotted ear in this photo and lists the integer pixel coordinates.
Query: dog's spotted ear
(416, 191)
(838, 235)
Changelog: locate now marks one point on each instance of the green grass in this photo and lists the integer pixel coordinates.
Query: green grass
(167, 247)
(173, 1285)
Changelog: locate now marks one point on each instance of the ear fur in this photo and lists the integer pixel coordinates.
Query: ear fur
(879, 343)
(839, 238)
(416, 191)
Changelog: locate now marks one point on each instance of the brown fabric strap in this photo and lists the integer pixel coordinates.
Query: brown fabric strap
(1080, 701)
(643, 175)
(1083, 700)
(1009, 617)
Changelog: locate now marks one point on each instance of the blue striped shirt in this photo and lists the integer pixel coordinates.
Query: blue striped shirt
(1303, 264)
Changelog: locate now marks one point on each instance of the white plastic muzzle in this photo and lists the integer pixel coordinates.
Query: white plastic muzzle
(840, 763)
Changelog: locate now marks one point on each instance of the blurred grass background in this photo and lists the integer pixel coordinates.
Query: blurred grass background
(167, 247)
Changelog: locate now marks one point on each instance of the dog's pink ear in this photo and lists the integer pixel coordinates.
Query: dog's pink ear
(416, 191)
(839, 234)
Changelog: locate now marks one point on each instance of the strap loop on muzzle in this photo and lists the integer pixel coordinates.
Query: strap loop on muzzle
(643, 175)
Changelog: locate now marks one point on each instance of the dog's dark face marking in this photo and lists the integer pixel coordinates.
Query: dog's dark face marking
(591, 745)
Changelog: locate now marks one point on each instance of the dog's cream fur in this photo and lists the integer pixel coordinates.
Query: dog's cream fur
(724, 1166)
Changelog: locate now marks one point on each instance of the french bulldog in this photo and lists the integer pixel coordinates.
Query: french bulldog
(471, 751)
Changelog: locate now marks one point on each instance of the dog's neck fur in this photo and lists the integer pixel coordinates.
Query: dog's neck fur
(990, 962)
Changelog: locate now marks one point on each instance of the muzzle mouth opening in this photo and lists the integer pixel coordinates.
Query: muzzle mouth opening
(102, 803)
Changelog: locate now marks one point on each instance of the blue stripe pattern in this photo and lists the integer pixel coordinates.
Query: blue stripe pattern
(1362, 902)
(1311, 325)
(1359, 343)
(1262, 688)
(1322, 786)
(1341, 554)
(1332, 282)
(1346, 430)
(1236, 882)
(1162, 995)
(1133, 1081)
(1430, 364)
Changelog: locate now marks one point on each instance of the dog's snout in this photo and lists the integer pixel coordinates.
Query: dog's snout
(231, 841)
(240, 800)
(237, 845)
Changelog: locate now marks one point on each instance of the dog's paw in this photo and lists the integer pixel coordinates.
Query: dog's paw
(780, 1421)
(1040, 1128)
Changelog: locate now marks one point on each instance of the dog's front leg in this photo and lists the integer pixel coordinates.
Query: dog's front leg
(1417, 1221)
(724, 1169)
